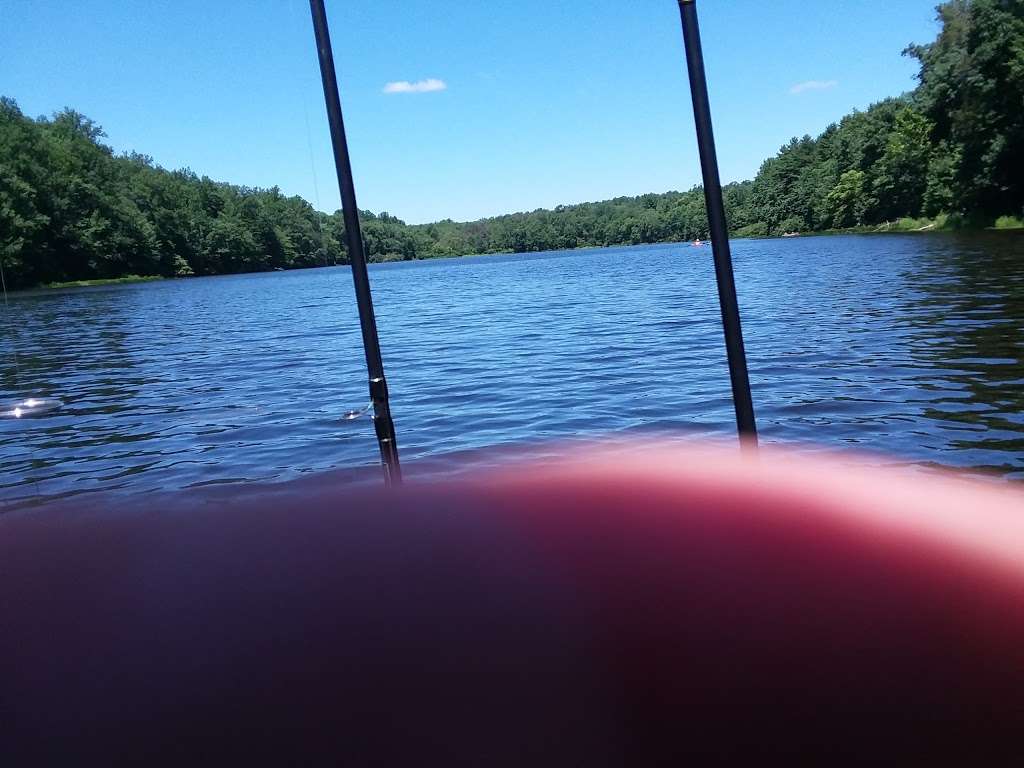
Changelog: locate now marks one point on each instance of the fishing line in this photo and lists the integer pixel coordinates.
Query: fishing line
(298, 22)
(316, 186)
(383, 423)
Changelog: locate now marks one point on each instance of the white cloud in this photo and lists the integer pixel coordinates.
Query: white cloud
(813, 85)
(420, 86)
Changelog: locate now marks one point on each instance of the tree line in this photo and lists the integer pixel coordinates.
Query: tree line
(72, 209)
(954, 145)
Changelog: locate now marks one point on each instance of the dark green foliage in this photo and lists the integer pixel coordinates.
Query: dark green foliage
(972, 90)
(645, 219)
(72, 210)
(844, 204)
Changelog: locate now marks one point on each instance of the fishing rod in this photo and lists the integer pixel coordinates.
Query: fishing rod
(382, 421)
(738, 376)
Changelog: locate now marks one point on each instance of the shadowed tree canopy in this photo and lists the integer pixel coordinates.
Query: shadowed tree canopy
(972, 92)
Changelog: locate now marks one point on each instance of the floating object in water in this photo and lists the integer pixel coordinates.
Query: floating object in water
(32, 406)
(357, 413)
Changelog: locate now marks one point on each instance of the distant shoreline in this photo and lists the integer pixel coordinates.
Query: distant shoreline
(901, 227)
(102, 281)
(941, 223)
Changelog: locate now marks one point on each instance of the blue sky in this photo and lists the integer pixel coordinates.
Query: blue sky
(542, 102)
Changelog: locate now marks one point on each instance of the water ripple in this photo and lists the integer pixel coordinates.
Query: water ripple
(907, 345)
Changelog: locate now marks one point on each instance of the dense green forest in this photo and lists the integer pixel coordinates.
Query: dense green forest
(70, 209)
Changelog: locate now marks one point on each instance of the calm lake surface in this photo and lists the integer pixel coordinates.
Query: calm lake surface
(906, 345)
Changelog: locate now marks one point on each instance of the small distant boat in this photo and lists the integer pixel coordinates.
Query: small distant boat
(791, 234)
(698, 243)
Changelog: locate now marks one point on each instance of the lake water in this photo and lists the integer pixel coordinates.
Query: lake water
(906, 345)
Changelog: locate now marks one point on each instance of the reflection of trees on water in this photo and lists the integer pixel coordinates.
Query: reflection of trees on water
(969, 318)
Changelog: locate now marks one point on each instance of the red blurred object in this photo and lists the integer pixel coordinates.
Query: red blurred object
(622, 606)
